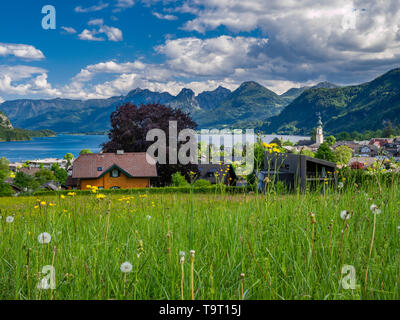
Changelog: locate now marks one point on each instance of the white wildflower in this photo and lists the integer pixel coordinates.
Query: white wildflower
(148, 218)
(44, 238)
(126, 267)
(182, 255)
(345, 215)
(340, 185)
(10, 219)
(375, 209)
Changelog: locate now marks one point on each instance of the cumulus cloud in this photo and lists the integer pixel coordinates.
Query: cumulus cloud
(23, 51)
(69, 30)
(112, 33)
(89, 35)
(34, 78)
(221, 56)
(96, 22)
(169, 17)
(123, 4)
(98, 7)
(337, 38)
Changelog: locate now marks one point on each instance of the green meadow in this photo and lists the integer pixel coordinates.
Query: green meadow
(246, 246)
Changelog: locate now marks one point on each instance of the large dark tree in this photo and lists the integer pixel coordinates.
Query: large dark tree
(130, 125)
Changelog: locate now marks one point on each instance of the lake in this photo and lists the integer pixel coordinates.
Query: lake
(57, 147)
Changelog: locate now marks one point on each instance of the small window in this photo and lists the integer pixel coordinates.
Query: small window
(115, 188)
(99, 169)
(101, 188)
(115, 173)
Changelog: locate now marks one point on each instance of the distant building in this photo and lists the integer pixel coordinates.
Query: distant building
(319, 137)
(296, 171)
(113, 171)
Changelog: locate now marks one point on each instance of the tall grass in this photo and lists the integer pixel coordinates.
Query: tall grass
(248, 246)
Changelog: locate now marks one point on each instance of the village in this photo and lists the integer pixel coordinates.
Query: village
(127, 170)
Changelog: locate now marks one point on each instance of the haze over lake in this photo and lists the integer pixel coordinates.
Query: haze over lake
(57, 147)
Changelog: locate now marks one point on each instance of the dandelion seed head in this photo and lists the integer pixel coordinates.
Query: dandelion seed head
(126, 267)
(345, 215)
(10, 219)
(44, 238)
(375, 209)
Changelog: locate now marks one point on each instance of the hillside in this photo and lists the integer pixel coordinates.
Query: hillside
(250, 104)
(353, 108)
(9, 133)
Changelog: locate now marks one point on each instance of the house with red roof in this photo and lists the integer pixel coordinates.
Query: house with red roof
(113, 170)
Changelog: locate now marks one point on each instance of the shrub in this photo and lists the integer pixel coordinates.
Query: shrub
(178, 180)
(202, 183)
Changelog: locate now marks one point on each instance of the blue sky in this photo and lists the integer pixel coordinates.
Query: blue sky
(109, 47)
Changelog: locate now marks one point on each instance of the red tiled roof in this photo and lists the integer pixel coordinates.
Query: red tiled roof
(134, 164)
(30, 171)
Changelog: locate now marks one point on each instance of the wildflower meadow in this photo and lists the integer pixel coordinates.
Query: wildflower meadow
(340, 244)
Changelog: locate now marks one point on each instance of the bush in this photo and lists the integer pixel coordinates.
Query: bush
(5, 190)
(202, 183)
(178, 180)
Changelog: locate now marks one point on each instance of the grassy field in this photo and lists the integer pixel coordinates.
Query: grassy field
(246, 246)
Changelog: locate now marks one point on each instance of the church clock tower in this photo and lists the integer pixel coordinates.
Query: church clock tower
(319, 138)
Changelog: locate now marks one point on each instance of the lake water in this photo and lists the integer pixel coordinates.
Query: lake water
(57, 147)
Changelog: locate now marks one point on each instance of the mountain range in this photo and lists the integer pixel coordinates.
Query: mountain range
(368, 106)
(349, 108)
(249, 105)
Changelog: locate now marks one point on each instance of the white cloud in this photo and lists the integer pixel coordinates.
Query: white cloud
(1, 100)
(345, 41)
(23, 51)
(215, 56)
(112, 33)
(169, 17)
(96, 22)
(69, 30)
(89, 35)
(125, 4)
(35, 81)
(100, 6)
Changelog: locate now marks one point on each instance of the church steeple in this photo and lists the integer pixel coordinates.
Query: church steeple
(319, 135)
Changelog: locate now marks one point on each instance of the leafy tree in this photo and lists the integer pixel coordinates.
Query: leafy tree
(344, 136)
(343, 154)
(26, 181)
(5, 189)
(4, 168)
(388, 132)
(85, 151)
(69, 157)
(330, 140)
(130, 125)
(178, 180)
(307, 153)
(314, 135)
(60, 174)
(324, 152)
(44, 176)
(355, 135)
